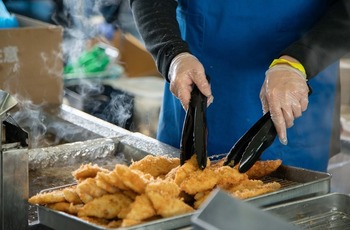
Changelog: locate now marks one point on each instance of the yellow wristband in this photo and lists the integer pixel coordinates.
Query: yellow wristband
(295, 65)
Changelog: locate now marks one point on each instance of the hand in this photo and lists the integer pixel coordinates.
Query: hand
(285, 94)
(185, 70)
(107, 30)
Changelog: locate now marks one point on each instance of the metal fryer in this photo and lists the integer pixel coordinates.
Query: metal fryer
(13, 169)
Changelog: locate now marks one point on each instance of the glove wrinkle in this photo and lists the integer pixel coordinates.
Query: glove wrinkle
(285, 94)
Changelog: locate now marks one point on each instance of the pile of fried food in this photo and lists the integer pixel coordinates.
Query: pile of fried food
(154, 187)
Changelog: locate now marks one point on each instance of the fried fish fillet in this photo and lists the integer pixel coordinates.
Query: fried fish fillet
(48, 197)
(165, 188)
(253, 188)
(141, 209)
(263, 168)
(113, 179)
(87, 171)
(170, 176)
(104, 183)
(168, 206)
(131, 194)
(200, 198)
(66, 207)
(155, 165)
(133, 179)
(71, 195)
(187, 169)
(164, 197)
(115, 224)
(87, 190)
(228, 176)
(108, 206)
(199, 181)
(130, 222)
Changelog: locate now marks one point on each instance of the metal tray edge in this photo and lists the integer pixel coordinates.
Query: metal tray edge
(320, 187)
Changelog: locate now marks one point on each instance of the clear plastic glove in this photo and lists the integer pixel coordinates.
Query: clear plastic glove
(186, 70)
(285, 94)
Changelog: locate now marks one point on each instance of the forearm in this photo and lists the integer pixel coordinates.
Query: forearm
(157, 24)
(326, 42)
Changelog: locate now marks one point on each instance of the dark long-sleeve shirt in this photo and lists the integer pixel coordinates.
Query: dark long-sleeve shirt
(325, 43)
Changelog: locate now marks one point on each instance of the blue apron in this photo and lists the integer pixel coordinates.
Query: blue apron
(236, 40)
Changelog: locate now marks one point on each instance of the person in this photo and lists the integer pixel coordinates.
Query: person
(117, 14)
(257, 54)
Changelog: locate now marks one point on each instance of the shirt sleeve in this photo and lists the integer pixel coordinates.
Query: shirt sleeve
(326, 42)
(157, 24)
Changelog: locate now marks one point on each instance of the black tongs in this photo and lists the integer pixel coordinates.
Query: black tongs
(248, 149)
(194, 131)
(252, 144)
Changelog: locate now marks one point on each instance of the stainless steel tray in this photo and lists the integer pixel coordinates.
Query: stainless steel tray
(60, 220)
(296, 184)
(330, 211)
(231, 212)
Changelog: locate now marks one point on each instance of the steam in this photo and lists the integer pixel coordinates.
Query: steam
(102, 101)
(94, 97)
(52, 68)
(119, 111)
(43, 129)
(80, 26)
(30, 118)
